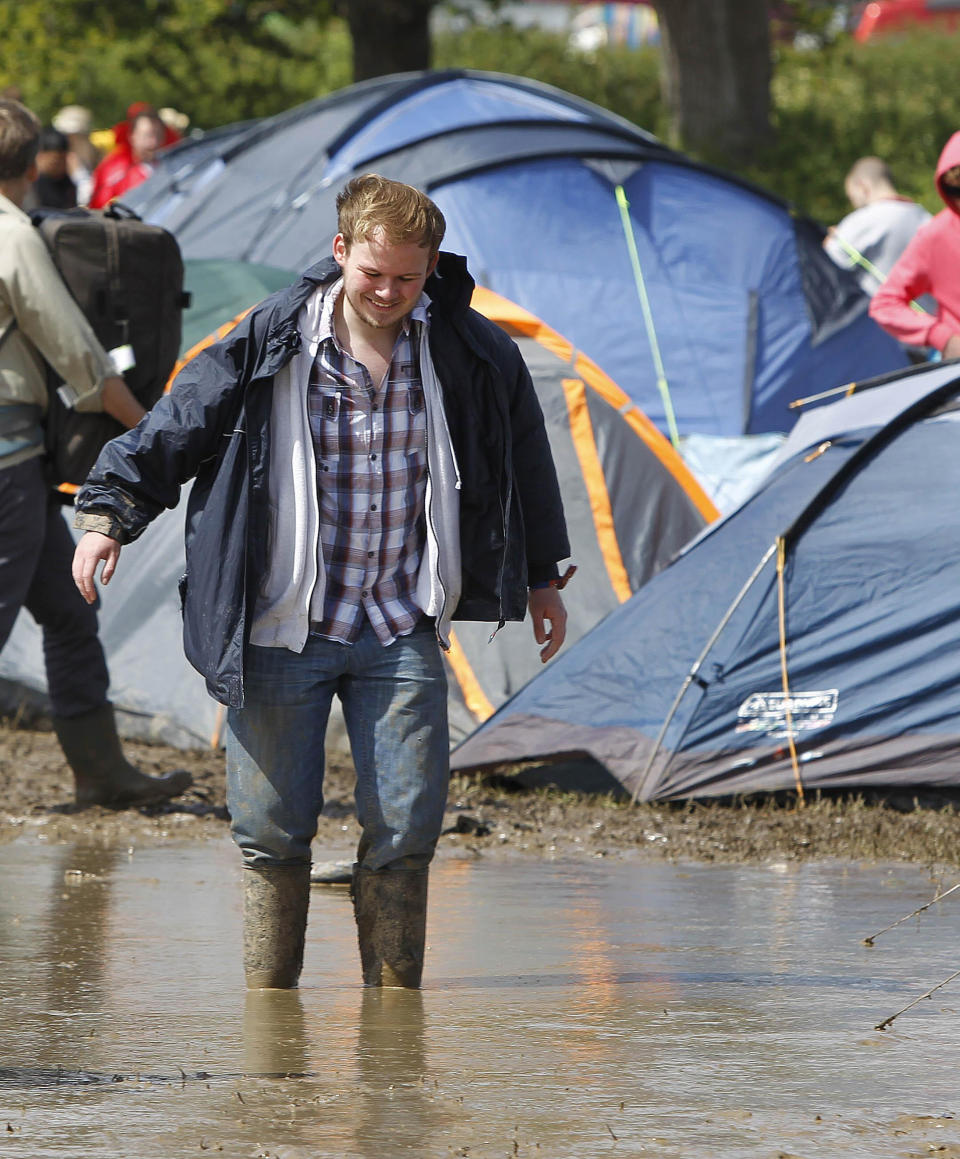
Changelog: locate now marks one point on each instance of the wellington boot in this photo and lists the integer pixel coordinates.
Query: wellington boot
(275, 903)
(102, 774)
(391, 911)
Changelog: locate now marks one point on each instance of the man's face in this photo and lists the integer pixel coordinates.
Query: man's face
(382, 280)
(146, 137)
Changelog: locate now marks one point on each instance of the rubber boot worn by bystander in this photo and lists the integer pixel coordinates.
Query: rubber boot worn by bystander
(102, 774)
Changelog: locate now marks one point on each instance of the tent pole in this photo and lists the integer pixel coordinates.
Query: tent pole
(662, 384)
(692, 674)
(886, 1022)
(913, 913)
(847, 389)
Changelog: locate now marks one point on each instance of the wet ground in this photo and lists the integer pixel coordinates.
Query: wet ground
(571, 1008)
(499, 816)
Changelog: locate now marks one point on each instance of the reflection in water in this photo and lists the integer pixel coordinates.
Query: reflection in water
(76, 953)
(569, 1010)
(77, 949)
(274, 1036)
(395, 1109)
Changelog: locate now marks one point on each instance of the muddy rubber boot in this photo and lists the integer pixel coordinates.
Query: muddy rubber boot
(102, 774)
(391, 912)
(275, 903)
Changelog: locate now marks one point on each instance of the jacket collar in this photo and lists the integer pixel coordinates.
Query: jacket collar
(7, 206)
(449, 289)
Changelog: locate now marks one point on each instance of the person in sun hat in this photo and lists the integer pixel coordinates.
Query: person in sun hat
(76, 123)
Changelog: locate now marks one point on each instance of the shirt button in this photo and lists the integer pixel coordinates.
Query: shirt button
(371, 554)
(365, 593)
(373, 456)
(373, 506)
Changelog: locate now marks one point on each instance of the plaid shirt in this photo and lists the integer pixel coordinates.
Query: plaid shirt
(370, 446)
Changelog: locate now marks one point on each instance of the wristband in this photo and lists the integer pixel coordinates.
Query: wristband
(559, 582)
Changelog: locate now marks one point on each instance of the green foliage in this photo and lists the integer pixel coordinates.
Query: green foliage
(229, 60)
(624, 81)
(895, 98)
(216, 61)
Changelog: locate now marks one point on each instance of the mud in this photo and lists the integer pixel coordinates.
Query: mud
(572, 1009)
(496, 816)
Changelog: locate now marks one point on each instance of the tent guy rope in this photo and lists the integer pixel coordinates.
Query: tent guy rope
(662, 384)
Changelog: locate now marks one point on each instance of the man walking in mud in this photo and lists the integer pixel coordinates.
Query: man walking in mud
(370, 461)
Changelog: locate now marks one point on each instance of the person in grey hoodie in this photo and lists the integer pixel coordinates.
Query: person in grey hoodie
(881, 226)
(371, 461)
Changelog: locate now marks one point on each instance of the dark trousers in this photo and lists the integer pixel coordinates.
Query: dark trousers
(36, 553)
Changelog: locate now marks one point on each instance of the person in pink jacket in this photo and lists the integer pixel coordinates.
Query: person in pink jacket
(929, 265)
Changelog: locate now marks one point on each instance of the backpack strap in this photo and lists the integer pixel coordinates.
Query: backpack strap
(8, 330)
(118, 307)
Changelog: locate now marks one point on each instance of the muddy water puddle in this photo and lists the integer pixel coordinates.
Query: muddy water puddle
(569, 1010)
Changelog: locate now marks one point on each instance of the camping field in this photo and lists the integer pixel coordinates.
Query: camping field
(494, 817)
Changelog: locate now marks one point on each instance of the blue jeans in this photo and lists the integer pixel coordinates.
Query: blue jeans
(395, 708)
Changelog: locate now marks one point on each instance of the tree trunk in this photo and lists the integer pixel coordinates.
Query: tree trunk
(716, 75)
(388, 35)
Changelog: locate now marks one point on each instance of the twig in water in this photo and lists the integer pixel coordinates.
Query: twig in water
(918, 910)
(886, 1022)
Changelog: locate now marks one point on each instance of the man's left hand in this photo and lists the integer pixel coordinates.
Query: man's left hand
(546, 606)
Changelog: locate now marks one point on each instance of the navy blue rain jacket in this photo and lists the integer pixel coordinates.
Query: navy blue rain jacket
(214, 426)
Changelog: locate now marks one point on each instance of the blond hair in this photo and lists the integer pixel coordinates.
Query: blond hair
(405, 215)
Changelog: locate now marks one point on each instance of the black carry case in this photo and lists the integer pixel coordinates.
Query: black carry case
(127, 278)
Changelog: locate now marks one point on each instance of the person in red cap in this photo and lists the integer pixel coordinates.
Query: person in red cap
(131, 162)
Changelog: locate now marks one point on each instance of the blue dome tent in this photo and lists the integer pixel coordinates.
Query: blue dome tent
(809, 641)
(705, 298)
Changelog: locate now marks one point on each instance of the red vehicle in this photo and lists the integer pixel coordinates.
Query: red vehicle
(882, 16)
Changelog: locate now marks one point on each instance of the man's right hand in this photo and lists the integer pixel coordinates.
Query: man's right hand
(92, 548)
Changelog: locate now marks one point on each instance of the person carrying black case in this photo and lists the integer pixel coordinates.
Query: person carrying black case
(127, 278)
(42, 324)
